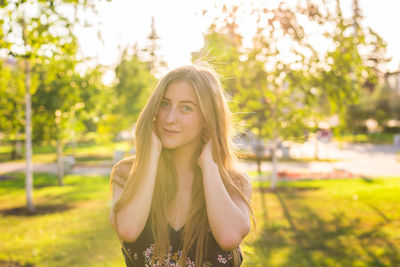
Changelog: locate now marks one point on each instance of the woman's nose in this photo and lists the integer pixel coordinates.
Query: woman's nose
(171, 116)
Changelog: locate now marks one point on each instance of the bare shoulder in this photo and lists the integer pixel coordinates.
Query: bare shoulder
(120, 171)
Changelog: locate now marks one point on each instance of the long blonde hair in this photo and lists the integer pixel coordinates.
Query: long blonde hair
(217, 116)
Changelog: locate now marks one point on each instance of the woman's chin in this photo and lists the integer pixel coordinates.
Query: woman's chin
(168, 145)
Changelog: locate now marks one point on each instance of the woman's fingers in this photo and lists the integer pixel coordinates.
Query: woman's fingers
(155, 136)
(205, 136)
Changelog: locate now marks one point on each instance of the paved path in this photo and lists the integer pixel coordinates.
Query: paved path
(7, 167)
(361, 159)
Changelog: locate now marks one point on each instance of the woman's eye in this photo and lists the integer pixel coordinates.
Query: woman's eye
(186, 108)
(164, 104)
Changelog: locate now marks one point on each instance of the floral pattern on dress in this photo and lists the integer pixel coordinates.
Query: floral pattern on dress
(133, 255)
(222, 259)
(189, 263)
(173, 258)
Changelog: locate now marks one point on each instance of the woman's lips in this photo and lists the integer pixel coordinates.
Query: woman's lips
(170, 132)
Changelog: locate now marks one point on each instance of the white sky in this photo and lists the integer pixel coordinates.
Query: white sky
(383, 16)
(180, 26)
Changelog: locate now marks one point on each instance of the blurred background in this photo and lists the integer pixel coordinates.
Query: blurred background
(313, 85)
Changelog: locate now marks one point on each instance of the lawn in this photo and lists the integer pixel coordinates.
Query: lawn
(370, 138)
(309, 223)
(70, 229)
(354, 222)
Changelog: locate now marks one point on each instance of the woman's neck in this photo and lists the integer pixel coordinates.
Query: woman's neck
(185, 159)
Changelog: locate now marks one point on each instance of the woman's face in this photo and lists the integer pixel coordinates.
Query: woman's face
(179, 119)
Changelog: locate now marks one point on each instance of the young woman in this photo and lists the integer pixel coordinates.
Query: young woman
(180, 201)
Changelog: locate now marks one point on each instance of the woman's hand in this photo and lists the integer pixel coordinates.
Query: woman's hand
(156, 144)
(206, 156)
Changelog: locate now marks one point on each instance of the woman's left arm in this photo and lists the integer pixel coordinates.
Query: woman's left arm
(227, 212)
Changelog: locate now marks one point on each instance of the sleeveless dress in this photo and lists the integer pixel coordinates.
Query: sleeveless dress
(139, 253)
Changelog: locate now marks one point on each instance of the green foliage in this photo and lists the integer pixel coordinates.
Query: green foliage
(43, 32)
(67, 102)
(350, 71)
(382, 105)
(282, 86)
(35, 31)
(39, 37)
(93, 102)
(55, 95)
(133, 88)
(268, 94)
(11, 101)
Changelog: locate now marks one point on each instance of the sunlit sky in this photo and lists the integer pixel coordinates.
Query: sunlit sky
(181, 27)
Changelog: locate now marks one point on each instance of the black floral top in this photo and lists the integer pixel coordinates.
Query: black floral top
(139, 253)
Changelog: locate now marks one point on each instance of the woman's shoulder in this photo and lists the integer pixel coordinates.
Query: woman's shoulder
(122, 168)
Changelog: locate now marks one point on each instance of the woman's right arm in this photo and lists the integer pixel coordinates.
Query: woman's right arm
(132, 217)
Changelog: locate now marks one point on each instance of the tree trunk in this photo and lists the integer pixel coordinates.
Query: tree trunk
(18, 149)
(13, 155)
(28, 140)
(260, 150)
(60, 166)
(316, 147)
(259, 165)
(261, 188)
(274, 175)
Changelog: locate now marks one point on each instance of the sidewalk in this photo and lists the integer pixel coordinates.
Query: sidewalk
(359, 159)
(90, 170)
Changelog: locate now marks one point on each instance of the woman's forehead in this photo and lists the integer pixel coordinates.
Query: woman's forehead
(181, 91)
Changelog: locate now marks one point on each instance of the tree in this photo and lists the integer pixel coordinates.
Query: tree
(12, 98)
(381, 105)
(150, 54)
(134, 84)
(33, 32)
(351, 68)
(282, 85)
(272, 95)
(56, 104)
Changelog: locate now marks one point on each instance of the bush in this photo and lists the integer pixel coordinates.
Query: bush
(391, 129)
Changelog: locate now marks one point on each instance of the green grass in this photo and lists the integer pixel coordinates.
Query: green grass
(70, 229)
(370, 138)
(353, 222)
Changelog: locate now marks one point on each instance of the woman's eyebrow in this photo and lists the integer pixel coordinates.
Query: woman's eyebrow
(182, 101)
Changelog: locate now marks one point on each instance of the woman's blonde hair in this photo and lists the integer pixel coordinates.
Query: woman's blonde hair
(217, 116)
